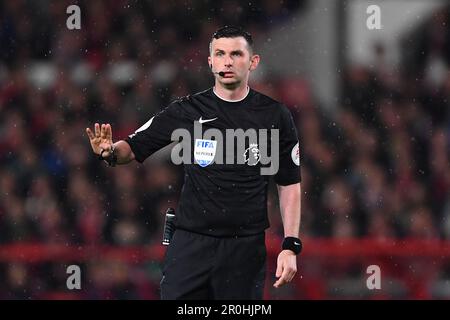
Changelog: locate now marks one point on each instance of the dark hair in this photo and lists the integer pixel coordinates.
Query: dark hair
(233, 32)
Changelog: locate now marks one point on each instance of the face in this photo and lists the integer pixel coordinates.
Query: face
(232, 56)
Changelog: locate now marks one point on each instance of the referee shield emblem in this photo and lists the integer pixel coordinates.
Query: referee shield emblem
(204, 151)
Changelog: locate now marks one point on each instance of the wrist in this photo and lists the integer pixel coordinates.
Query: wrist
(111, 158)
(293, 244)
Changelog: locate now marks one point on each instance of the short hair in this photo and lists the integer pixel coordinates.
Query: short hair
(232, 32)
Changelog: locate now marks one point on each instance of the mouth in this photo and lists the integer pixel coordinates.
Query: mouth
(228, 74)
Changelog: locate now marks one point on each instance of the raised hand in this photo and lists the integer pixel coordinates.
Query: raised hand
(101, 139)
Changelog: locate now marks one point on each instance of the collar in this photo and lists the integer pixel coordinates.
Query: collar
(228, 100)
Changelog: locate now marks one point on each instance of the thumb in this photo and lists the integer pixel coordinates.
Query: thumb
(105, 146)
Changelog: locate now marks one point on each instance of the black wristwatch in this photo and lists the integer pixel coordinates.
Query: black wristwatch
(293, 244)
(111, 160)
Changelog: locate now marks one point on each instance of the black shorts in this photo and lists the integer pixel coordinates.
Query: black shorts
(203, 267)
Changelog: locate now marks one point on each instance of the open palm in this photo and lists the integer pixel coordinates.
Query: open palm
(101, 138)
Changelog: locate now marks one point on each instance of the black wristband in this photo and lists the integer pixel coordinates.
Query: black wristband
(293, 244)
(111, 160)
(100, 157)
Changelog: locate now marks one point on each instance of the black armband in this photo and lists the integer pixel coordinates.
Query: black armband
(111, 160)
(293, 244)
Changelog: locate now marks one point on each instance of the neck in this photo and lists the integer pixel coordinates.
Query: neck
(238, 93)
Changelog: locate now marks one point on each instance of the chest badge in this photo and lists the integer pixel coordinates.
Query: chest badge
(252, 155)
(204, 151)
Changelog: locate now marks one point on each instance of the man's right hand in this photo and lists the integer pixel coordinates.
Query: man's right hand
(101, 139)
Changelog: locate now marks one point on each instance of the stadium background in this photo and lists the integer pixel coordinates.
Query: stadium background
(371, 108)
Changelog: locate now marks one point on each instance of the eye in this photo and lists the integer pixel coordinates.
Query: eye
(219, 54)
(237, 54)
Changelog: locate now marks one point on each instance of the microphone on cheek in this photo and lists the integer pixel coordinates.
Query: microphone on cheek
(221, 73)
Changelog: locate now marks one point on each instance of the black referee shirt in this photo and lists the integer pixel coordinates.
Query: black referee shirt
(223, 199)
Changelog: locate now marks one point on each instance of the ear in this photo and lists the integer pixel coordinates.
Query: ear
(210, 62)
(254, 62)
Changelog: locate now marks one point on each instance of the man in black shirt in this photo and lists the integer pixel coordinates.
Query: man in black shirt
(225, 136)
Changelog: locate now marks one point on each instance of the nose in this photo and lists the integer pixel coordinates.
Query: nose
(228, 61)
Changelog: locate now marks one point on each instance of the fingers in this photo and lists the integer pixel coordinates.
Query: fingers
(290, 273)
(286, 277)
(101, 138)
(282, 280)
(286, 272)
(97, 130)
(279, 270)
(291, 276)
(103, 132)
(108, 132)
(90, 133)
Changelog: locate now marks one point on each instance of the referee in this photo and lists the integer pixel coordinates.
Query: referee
(218, 249)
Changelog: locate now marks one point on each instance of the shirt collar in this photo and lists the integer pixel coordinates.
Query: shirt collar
(228, 100)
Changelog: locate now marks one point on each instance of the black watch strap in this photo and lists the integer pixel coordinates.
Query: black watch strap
(111, 160)
(100, 156)
(293, 244)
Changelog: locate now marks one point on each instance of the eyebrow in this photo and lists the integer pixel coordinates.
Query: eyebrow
(234, 51)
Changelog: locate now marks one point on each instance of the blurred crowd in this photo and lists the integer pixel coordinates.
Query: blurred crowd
(129, 60)
(376, 167)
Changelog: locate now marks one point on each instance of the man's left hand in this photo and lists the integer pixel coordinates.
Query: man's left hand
(286, 267)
